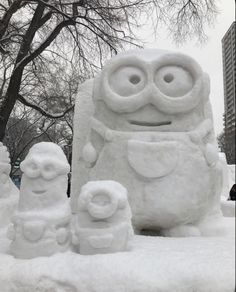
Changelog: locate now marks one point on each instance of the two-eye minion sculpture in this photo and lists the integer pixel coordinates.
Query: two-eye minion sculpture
(145, 121)
(41, 226)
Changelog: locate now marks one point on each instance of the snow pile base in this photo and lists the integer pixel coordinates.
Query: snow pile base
(227, 207)
(153, 264)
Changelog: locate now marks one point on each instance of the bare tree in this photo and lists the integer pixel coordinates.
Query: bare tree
(40, 37)
(26, 126)
(23, 130)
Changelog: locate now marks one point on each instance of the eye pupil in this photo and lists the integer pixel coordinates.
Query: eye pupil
(168, 78)
(101, 199)
(48, 167)
(33, 166)
(134, 79)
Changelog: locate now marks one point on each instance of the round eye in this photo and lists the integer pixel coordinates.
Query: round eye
(30, 168)
(49, 171)
(49, 167)
(173, 81)
(4, 177)
(101, 204)
(101, 199)
(127, 81)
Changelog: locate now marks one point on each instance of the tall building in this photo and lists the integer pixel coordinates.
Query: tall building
(229, 71)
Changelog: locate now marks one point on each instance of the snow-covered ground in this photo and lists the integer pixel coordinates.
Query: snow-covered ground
(153, 264)
(227, 207)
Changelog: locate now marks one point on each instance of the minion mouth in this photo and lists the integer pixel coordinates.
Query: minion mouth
(150, 124)
(39, 192)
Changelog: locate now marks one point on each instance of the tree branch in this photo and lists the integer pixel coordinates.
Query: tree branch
(32, 139)
(42, 111)
(45, 44)
(44, 19)
(30, 33)
(7, 16)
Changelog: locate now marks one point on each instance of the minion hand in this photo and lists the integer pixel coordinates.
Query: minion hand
(201, 132)
(11, 233)
(62, 235)
(89, 154)
(75, 239)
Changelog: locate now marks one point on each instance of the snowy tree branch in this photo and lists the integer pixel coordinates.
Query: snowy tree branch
(42, 111)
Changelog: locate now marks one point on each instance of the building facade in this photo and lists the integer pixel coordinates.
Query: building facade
(229, 70)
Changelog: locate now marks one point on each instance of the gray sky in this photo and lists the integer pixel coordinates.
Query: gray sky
(209, 55)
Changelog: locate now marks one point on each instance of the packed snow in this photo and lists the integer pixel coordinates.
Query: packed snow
(153, 264)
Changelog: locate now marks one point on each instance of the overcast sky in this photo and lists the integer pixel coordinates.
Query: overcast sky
(208, 55)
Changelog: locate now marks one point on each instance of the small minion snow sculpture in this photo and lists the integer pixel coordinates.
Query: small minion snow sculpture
(103, 222)
(8, 191)
(41, 225)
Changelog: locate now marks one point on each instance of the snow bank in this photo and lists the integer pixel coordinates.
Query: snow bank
(153, 264)
(227, 207)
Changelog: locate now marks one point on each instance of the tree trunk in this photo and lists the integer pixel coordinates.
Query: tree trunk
(14, 85)
(9, 100)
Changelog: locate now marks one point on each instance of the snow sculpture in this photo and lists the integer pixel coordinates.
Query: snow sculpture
(41, 225)
(103, 223)
(146, 122)
(9, 193)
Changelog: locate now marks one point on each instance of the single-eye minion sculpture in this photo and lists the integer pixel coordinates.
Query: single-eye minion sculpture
(9, 194)
(41, 224)
(103, 223)
(145, 121)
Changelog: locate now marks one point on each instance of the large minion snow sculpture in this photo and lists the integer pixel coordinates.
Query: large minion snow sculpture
(41, 225)
(9, 194)
(103, 223)
(146, 123)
